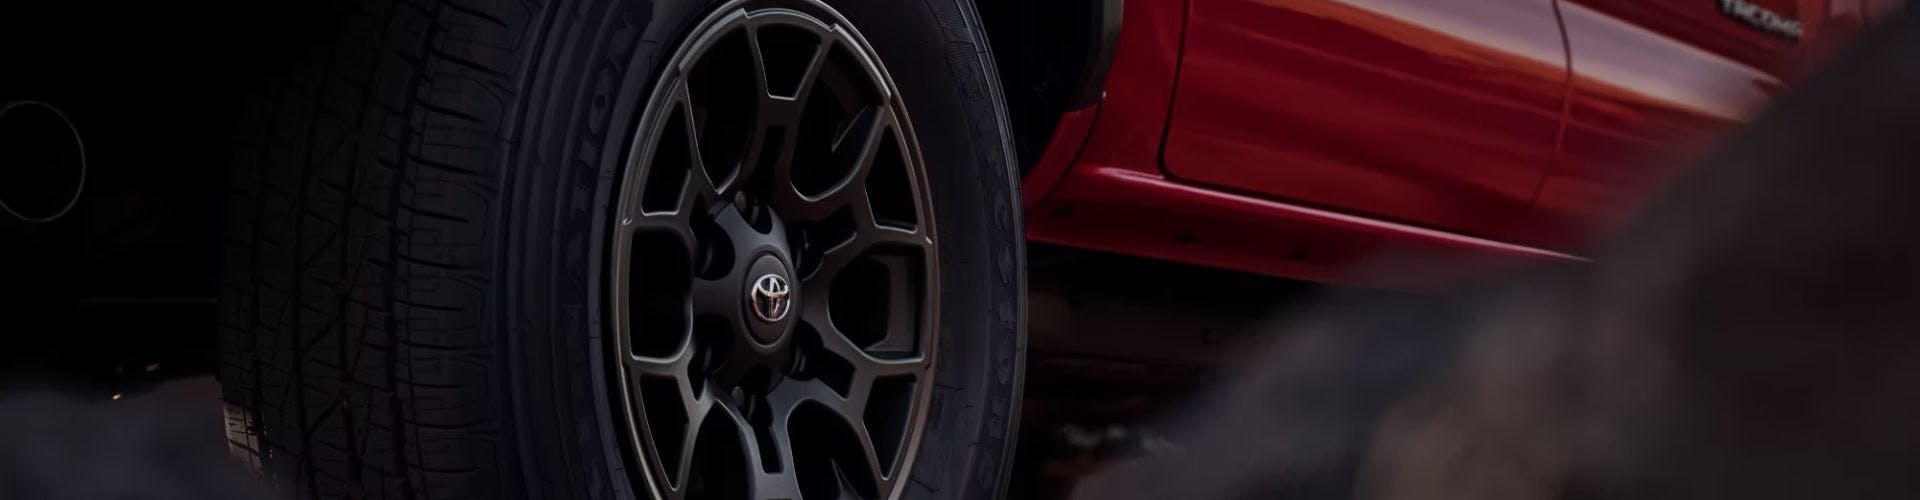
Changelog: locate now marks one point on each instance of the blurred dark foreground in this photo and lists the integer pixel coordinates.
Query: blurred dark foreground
(1753, 336)
(162, 443)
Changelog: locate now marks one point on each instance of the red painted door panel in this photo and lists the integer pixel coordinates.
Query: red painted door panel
(1440, 114)
(1654, 81)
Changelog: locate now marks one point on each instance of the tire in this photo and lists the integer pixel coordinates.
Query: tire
(414, 291)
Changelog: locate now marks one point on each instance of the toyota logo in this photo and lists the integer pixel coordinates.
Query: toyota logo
(769, 298)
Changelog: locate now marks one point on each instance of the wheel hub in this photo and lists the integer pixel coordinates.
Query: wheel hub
(773, 276)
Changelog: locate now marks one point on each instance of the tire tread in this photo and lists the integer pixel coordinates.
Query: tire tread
(352, 359)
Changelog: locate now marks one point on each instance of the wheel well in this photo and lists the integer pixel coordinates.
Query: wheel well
(1052, 57)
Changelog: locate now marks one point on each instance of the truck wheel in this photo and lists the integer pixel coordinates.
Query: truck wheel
(617, 249)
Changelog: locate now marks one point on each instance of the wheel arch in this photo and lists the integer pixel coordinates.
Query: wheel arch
(1052, 58)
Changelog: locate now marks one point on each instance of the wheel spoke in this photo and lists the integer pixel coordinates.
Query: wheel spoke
(693, 408)
(866, 239)
(672, 223)
(809, 73)
(868, 131)
(875, 469)
(695, 186)
(697, 411)
(778, 118)
(700, 183)
(732, 222)
(764, 485)
(675, 366)
(715, 297)
(792, 393)
(865, 365)
(848, 410)
(772, 145)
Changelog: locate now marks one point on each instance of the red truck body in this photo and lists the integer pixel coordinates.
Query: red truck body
(1303, 138)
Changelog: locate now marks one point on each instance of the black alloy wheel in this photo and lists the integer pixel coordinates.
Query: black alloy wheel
(773, 302)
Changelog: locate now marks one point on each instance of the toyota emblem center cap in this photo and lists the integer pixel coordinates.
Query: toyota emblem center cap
(770, 297)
